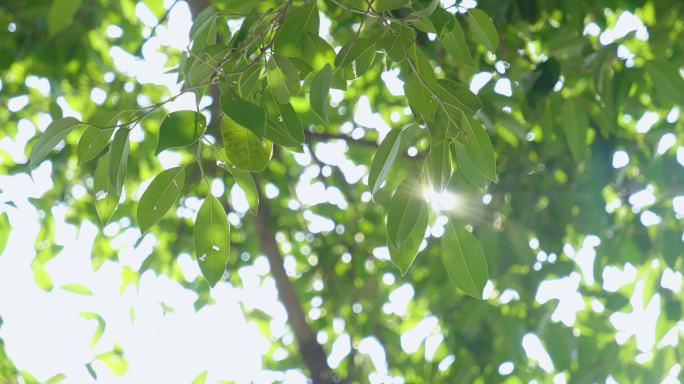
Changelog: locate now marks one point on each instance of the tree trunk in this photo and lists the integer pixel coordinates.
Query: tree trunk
(311, 351)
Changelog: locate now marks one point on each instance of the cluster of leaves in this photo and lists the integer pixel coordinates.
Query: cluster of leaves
(575, 100)
(258, 70)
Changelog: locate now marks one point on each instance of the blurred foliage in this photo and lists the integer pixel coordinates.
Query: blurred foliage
(576, 100)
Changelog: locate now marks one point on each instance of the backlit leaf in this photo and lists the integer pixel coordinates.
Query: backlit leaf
(404, 209)
(667, 80)
(118, 158)
(453, 40)
(55, 132)
(245, 181)
(212, 239)
(243, 148)
(464, 260)
(318, 97)
(404, 253)
(479, 147)
(106, 195)
(4, 231)
(245, 113)
(61, 15)
(283, 78)
(397, 42)
(468, 168)
(383, 159)
(420, 97)
(95, 138)
(298, 21)
(160, 196)
(483, 28)
(439, 162)
(180, 129)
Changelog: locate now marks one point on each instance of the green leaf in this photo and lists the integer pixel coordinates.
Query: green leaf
(297, 23)
(420, 97)
(575, 125)
(667, 80)
(77, 288)
(397, 42)
(404, 209)
(560, 344)
(118, 159)
(243, 148)
(457, 95)
(248, 80)
(479, 147)
(352, 51)
(389, 5)
(383, 159)
(404, 253)
(424, 7)
(95, 138)
(320, 88)
(5, 230)
(453, 40)
(212, 239)
(100, 326)
(317, 52)
(468, 168)
(203, 29)
(55, 132)
(180, 129)
(464, 260)
(105, 194)
(421, 67)
(92, 142)
(283, 78)
(483, 29)
(248, 115)
(245, 181)
(439, 162)
(283, 126)
(160, 196)
(61, 15)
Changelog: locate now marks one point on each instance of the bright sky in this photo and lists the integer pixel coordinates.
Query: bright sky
(46, 334)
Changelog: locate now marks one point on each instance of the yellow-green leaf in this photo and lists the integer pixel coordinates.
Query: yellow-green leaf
(243, 148)
(318, 97)
(404, 253)
(160, 196)
(55, 132)
(283, 78)
(118, 158)
(106, 195)
(404, 209)
(245, 113)
(212, 239)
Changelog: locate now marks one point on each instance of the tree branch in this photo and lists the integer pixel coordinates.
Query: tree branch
(312, 352)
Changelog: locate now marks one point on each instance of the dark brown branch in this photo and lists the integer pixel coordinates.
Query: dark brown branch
(311, 351)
